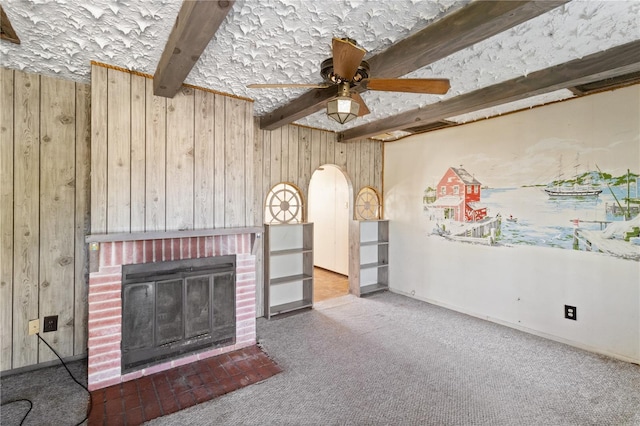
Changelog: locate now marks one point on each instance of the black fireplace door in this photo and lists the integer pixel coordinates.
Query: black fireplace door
(173, 308)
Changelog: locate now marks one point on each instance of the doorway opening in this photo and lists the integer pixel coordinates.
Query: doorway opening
(330, 209)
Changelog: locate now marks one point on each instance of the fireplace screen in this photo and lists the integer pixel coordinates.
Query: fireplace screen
(176, 307)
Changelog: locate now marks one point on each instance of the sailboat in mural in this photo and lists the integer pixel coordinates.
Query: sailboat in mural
(562, 190)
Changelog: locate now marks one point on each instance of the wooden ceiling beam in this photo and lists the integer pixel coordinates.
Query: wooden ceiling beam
(465, 27)
(472, 24)
(195, 26)
(611, 63)
(6, 29)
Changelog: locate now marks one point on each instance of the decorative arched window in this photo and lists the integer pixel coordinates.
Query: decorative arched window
(367, 204)
(283, 204)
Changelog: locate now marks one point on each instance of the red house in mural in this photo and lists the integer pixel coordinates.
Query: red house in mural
(458, 196)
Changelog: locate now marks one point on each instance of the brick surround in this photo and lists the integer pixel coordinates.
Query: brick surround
(105, 304)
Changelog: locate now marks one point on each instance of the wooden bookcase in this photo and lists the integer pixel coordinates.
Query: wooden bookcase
(368, 257)
(288, 260)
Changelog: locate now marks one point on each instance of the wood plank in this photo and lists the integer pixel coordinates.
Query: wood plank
(304, 177)
(266, 169)
(610, 63)
(366, 164)
(331, 148)
(323, 148)
(235, 165)
(378, 164)
(353, 165)
(57, 212)
(98, 149)
(276, 156)
(204, 145)
(219, 152)
(155, 168)
(26, 218)
(82, 215)
(180, 161)
(196, 24)
(340, 153)
(258, 175)
(294, 154)
(469, 25)
(6, 218)
(315, 151)
(250, 165)
(118, 151)
(138, 151)
(284, 156)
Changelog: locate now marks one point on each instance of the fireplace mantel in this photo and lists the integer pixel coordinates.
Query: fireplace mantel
(161, 235)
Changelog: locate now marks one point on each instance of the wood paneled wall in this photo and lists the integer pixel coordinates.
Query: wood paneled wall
(292, 153)
(163, 164)
(195, 161)
(44, 215)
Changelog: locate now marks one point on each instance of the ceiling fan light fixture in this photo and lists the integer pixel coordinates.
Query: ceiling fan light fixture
(343, 108)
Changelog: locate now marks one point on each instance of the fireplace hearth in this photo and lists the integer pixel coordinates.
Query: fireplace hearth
(176, 307)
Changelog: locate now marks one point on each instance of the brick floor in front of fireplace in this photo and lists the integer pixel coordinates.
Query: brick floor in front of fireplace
(148, 397)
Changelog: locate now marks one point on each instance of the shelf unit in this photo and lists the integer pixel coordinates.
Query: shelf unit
(288, 264)
(368, 257)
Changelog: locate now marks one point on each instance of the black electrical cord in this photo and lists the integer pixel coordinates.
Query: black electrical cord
(74, 379)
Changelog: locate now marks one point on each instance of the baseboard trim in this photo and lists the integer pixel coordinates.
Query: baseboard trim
(535, 332)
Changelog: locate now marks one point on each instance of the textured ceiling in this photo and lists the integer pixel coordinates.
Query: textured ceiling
(282, 41)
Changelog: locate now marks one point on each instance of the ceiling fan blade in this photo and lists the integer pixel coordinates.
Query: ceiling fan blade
(436, 86)
(346, 58)
(289, 85)
(363, 107)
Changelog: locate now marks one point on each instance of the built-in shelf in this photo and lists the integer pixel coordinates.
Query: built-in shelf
(290, 279)
(290, 307)
(288, 275)
(290, 251)
(369, 257)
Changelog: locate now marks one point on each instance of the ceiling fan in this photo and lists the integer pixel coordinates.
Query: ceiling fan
(347, 70)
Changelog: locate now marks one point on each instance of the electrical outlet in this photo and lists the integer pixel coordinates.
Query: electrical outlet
(50, 324)
(34, 327)
(570, 312)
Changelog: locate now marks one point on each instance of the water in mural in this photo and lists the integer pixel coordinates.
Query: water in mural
(591, 211)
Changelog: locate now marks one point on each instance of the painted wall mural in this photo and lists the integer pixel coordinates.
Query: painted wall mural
(564, 190)
(472, 229)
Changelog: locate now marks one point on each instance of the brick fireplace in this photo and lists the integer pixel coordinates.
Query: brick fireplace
(110, 252)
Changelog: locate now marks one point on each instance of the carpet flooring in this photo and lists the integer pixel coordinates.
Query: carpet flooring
(391, 360)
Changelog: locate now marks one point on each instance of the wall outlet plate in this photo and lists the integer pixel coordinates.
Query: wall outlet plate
(570, 312)
(34, 327)
(50, 323)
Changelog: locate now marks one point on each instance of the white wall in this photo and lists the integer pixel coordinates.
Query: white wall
(521, 286)
(329, 211)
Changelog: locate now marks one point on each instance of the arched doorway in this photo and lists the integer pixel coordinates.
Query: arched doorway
(330, 208)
